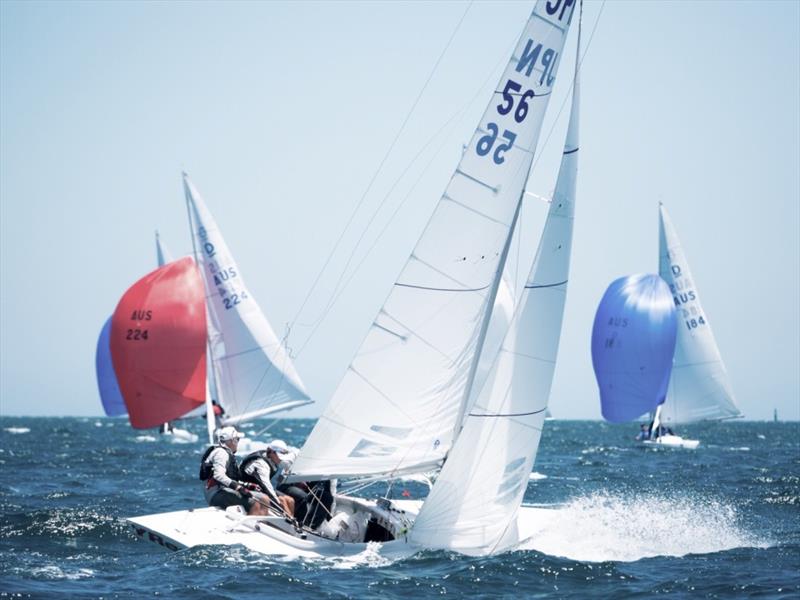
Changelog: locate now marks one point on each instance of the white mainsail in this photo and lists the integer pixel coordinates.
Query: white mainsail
(254, 374)
(473, 504)
(163, 255)
(699, 388)
(399, 405)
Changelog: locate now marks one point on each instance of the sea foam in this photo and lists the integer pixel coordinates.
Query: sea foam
(603, 527)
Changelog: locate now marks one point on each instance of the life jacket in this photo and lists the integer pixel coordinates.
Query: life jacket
(262, 454)
(231, 469)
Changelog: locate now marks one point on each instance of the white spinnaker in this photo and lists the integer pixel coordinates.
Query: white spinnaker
(473, 504)
(699, 388)
(397, 406)
(254, 373)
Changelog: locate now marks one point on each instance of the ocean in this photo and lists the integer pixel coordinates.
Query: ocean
(722, 521)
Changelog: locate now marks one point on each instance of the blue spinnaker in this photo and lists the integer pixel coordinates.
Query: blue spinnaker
(110, 395)
(633, 342)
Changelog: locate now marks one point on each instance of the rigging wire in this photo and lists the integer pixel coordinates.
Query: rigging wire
(337, 294)
(380, 167)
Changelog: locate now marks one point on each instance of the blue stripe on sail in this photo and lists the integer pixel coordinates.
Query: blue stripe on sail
(110, 395)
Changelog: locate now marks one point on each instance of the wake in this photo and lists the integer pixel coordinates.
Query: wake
(604, 527)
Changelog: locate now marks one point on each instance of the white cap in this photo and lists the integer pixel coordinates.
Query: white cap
(229, 433)
(278, 446)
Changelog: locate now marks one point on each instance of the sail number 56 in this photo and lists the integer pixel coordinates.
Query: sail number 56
(486, 143)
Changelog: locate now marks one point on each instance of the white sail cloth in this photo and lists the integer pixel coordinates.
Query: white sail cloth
(699, 387)
(399, 404)
(473, 504)
(254, 374)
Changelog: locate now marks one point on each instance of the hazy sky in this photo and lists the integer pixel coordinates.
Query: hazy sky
(282, 114)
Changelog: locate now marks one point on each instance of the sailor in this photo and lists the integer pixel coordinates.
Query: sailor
(313, 500)
(220, 472)
(256, 469)
(644, 433)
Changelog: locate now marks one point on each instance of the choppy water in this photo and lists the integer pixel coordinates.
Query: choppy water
(721, 521)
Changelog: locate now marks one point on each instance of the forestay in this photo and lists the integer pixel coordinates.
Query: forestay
(473, 504)
(254, 373)
(398, 405)
(699, 388)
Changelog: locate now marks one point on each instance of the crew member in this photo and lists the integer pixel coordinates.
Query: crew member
(220, 472)
(255, 468)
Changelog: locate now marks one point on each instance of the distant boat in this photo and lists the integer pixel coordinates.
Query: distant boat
(409, 402)
(699, 388)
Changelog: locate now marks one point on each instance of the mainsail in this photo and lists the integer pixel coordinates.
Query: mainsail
(398, 406)
(473, 504)
(254, 374)
(699, 388)
(158, 340)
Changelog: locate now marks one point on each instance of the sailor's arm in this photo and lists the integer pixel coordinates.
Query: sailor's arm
(260, 470)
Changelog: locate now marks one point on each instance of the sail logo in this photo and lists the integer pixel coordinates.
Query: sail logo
(141, 315)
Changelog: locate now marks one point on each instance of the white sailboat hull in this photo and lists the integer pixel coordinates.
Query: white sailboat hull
(274, 536)
(672, 441)
(181, 435)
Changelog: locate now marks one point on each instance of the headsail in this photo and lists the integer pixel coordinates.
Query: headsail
(110, 396)
(633, 341)
(253, 372)
(473, 504)
(699, 388)
(158, 344)
(397, 406)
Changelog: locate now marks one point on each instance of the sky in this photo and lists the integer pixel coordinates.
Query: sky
(291, 118)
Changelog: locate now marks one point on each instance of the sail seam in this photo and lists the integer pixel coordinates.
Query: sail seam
(435, 270)
(525, 414)
(433, 289)
(546, 285)
(476, 180)
(477, 212)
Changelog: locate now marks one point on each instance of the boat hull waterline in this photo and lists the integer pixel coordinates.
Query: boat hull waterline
(672, 441)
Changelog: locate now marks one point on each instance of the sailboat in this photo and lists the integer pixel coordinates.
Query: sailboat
(414, 398)
(699, 388)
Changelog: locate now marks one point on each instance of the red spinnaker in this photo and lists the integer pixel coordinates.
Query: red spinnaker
(158, 344)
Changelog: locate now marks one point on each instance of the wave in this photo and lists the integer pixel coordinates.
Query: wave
(603, 527)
